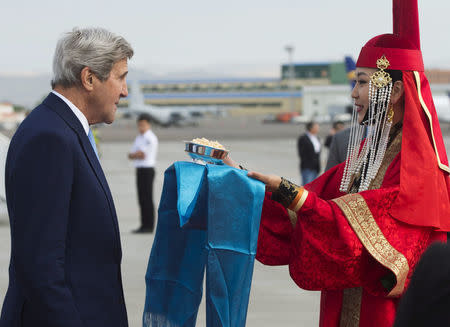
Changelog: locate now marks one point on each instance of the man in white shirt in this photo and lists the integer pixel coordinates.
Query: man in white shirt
(143, 153)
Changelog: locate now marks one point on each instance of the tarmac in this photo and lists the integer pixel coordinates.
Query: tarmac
(275, 299)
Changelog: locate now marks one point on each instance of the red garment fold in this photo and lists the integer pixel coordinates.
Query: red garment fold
(324, 253)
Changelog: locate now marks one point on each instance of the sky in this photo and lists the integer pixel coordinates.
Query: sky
(232, 37)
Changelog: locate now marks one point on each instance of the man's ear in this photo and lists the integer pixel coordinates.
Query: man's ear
(87, 79)
(398, 90)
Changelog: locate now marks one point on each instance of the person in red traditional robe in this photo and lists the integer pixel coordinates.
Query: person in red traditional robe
(357, 232)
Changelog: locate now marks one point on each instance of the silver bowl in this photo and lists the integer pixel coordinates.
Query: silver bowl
(205, 153)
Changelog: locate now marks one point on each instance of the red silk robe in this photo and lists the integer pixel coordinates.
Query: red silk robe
(345, 245)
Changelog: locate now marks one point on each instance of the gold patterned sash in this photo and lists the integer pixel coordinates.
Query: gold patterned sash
(361, 220)
(351, 307)
(365, 227)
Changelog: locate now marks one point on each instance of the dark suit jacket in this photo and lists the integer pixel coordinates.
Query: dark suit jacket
(426, 301)
(309, 159)
(338, 148)
(65, 253)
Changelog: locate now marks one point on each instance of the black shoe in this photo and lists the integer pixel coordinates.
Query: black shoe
(142, 230)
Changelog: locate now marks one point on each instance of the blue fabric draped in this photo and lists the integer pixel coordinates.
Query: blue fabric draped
(209, 218)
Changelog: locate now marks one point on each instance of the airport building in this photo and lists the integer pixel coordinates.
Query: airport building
(249, 95)
(308, 88)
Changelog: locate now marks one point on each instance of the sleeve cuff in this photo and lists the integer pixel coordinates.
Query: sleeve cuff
(290, 195)
(299, 200)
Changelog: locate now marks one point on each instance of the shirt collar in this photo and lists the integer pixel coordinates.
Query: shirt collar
(311, 135)
(81, 117)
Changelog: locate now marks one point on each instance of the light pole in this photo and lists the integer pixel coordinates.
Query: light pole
(290, 51)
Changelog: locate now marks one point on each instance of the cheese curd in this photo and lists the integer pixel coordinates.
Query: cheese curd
(204, 141)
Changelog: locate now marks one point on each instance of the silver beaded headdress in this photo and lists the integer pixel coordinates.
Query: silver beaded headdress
(365, 158)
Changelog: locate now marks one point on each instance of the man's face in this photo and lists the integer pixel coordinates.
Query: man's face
(314, 129)
(143, 126)
(360, 92)
(106, 95)
(339, 127)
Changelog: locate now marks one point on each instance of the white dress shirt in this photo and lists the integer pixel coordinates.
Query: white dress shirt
(315, 141)
(81, 117)
(147, 143)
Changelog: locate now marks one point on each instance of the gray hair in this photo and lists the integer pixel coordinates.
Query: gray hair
(95, 48)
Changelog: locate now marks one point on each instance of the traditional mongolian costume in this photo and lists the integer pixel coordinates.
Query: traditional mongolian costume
(357, 232)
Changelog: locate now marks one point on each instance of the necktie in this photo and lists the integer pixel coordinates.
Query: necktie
(92, 140)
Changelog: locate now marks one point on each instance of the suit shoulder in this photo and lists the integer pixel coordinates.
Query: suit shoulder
(43, 120)
(305, 139)
(343, 134)
(43, 124)
(42, 114)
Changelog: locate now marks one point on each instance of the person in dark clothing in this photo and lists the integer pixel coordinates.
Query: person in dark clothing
(337, 127)
(65, 267)
(308, 146)
(427, 299)
(338, 148)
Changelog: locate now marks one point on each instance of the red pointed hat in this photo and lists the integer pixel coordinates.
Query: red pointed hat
(402, 48)
(424, 197)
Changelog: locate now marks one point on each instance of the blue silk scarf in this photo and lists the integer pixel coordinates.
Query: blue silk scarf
(208, 217)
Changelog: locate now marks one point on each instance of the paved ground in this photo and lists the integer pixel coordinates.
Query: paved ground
(275, 300)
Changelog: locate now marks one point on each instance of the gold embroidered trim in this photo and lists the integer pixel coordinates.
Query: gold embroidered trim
(292, 217)
(427, 112)
(361, 220)
(393, 149)
(351, 307)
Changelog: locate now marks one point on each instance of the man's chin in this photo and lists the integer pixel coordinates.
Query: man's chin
(110, 119)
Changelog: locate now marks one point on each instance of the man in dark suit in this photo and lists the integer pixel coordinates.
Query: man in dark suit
(66, 252)
(308, 146)
(338, 148)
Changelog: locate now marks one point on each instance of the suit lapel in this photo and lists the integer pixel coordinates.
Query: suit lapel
(311, 144)
(61, 108)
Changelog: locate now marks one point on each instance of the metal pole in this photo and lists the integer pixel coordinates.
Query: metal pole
(291, 76)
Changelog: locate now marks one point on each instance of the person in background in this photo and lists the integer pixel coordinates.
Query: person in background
(426, 302)
(308, 146)
(338, 148)
(65, 267)
(337, 127)
(143, 153)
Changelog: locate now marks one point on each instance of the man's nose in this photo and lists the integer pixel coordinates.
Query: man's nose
(124, 92)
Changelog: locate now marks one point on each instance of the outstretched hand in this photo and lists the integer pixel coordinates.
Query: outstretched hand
(230, 162)
(272, 181)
